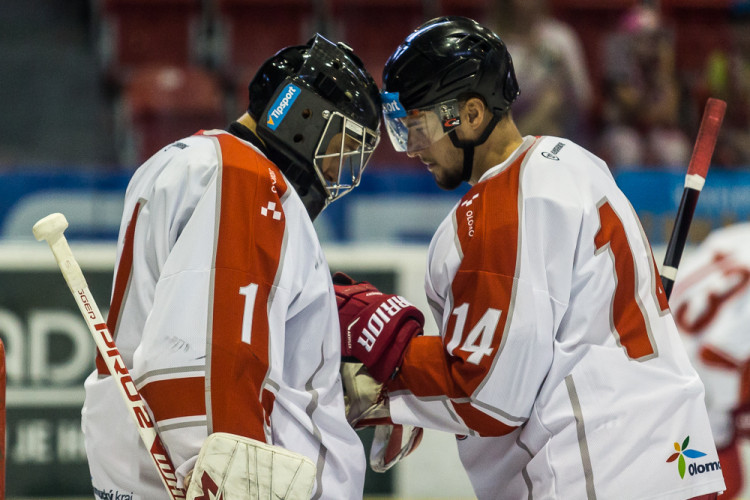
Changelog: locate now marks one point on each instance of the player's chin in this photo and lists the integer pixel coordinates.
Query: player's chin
(447, 181)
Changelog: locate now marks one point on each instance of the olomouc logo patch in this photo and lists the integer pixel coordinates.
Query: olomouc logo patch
(683, 451)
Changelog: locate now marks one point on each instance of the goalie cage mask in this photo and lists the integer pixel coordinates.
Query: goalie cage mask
(318, 111)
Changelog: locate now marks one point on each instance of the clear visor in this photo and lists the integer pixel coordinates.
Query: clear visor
(342, 154)
(418, 129)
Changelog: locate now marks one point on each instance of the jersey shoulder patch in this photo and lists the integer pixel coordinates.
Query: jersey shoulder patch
(551, 148)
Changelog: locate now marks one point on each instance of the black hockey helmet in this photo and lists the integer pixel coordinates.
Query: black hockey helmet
(443, 61)
(316, 105)
(447, 58)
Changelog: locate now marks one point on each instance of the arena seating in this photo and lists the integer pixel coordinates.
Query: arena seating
(162, 104)
(137, 33)
(224, 41)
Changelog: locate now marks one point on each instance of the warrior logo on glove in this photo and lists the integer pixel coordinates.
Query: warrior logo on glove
(383, 325)
(378, 321)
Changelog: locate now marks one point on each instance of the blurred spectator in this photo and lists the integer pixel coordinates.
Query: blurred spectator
(711, 306)
(556, 90)
(728, 77)
(642, 95)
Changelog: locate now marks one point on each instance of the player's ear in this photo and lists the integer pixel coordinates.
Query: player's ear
(475, 112)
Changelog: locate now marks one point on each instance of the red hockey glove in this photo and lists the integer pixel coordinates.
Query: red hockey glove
(375, 327)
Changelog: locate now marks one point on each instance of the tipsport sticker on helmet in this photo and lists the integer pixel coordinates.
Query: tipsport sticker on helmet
(281, 107)
(392, 107)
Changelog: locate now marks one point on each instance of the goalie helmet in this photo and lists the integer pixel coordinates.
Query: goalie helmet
(442, 62)
(318, 112)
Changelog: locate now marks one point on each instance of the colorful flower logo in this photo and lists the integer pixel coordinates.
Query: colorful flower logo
(683, 452)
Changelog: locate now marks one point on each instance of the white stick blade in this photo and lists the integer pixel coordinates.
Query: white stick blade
(50, 226)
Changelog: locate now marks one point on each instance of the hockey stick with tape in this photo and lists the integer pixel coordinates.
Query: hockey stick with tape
(51, 229)
(713, 115)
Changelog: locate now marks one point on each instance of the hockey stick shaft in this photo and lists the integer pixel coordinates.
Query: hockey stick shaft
(51, 229)
(708, 132)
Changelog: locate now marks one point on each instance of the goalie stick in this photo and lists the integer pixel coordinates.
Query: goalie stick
(713, 115)
(51, 229)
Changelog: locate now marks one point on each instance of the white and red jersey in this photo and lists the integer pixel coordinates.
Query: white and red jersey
(558, 362)
(711, 306)
(224, 311)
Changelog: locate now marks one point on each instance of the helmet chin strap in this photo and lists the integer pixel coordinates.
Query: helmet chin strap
(468, 146)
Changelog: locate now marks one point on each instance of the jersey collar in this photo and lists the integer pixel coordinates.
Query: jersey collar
(528, 141)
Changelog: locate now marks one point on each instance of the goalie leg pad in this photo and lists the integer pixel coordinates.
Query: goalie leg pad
(232, 467)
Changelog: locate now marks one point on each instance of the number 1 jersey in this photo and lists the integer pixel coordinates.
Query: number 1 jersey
(224, 311)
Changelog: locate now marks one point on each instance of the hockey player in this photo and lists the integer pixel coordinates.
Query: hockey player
(223, 306)
(558, 364)
(710, 304)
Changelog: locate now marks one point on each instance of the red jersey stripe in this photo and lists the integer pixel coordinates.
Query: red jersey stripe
(122, 279)
(488, 232)
(248, 249)
(175, 398)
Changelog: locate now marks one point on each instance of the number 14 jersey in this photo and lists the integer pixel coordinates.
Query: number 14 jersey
(558, 363)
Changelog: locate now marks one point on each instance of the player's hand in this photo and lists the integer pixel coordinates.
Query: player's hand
(367, 405)
(375, 327)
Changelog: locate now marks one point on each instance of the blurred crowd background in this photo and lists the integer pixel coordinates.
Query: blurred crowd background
(102, 84)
